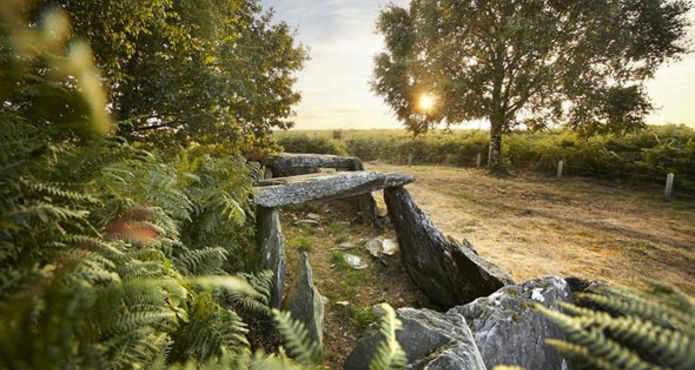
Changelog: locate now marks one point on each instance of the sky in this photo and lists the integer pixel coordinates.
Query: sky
(342, 41)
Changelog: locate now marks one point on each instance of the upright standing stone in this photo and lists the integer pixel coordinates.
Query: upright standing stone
(272, 247)
(303, 300)
(448, 272)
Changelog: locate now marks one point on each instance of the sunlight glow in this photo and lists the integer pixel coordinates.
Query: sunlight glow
(427, 102)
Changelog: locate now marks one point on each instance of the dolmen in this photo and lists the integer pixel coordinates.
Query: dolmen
(450, 273)
(273, 193)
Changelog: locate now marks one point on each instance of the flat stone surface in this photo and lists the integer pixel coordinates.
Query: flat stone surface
(508, 331)
(289, 164)
(272, 244)
(303, 300)
(282, 191)
(430, 340)
(448, 272)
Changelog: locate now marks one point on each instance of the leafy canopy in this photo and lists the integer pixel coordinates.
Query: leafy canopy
(581, 63)
(178, 70)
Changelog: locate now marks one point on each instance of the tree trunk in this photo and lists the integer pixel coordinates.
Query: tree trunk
(494, 159)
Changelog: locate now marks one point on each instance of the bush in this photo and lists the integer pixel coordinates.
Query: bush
(312, 144)
(644, 156)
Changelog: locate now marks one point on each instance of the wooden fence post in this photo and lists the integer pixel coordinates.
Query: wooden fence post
(478, 160)
(410, 158)
(560, 166)
(669, 185)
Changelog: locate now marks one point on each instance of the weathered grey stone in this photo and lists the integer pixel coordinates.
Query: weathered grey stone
(282, 191)
(303, 300)
(431, 340)
(288, 164)
(448, 272)
(307, 222)
(272, 244)
(369, 210)
(509, 331)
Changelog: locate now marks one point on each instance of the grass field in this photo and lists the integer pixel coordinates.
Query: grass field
(530, 225)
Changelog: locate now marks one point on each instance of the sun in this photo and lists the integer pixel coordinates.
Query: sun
(427, 102)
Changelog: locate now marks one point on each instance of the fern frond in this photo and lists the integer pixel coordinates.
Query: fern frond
(210, 330)
(57, 189)
(650, 341)
(261, 282)
(595, 341)
(670, 296)
(389, 355)
(297, 340)
(580, 356)
(201, 261)
(227, 284)
(622, 303)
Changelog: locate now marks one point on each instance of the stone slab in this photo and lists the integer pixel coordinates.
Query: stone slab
(283, 191)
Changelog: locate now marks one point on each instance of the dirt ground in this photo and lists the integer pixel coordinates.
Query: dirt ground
(528, 224)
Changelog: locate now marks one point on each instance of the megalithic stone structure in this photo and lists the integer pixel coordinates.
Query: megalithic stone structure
(448, 272)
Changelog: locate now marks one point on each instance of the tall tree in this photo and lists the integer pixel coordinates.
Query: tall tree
(220, 71)
(534, 62)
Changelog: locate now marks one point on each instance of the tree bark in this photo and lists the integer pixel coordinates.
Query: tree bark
(494, 159)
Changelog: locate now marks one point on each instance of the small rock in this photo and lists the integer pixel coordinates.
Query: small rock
(379, 246)
(307, 223)
(313, 216)
(346, 245)
(344, 307)
(390, 247)
(354, 261)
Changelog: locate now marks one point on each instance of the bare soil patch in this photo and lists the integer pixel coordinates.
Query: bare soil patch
(532, 225)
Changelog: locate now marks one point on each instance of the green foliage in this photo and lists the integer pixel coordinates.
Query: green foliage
(623, 329)
(538, 63)
(301, 243)
(389, 354)
(101, 259)
(112, 256)
(364, 317)
(299, 344)
(644, 156)
(312, 144)
(210, 71)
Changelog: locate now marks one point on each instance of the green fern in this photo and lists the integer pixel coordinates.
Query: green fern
(622, 329)
(389, 354)
(297, 340)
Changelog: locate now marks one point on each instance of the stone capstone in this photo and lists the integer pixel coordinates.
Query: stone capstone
(282, 191)
(303, 300)
(448, 272)
(287, 164)
(272, 248)
(430, 340)
(508, 331)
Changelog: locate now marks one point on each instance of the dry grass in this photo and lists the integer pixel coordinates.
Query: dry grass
(532, 225)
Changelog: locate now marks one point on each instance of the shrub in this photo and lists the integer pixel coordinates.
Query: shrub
(313, 144)
(644, 156)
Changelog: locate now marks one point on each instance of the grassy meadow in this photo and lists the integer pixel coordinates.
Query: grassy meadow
(642, 157)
